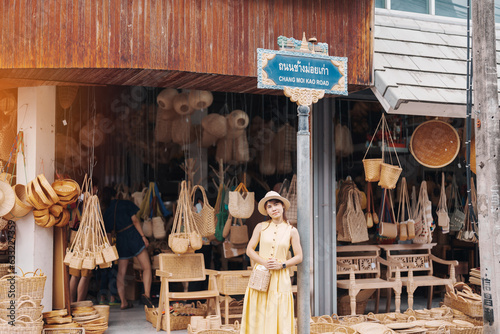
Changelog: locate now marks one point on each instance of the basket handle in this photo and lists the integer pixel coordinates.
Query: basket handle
(27, 301)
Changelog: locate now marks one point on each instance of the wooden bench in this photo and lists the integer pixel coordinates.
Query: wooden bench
(417, 269)
(364, 260)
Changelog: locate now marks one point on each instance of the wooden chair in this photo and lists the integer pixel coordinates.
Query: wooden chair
(184, 268)
(417, 268)
(232, 283)
(362, 260)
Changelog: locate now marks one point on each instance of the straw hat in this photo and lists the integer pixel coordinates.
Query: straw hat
(21, 206)
(200, 99)
(269, 196)
(181, 104)
(7, 198)
(165, 98)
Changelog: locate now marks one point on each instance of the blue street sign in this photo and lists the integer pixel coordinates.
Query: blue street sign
(279, 69)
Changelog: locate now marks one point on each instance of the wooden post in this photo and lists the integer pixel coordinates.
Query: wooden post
(487, 157)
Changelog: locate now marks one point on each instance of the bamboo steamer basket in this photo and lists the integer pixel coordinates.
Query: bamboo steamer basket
(435, 144)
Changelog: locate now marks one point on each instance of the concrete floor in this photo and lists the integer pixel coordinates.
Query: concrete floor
(134, 320)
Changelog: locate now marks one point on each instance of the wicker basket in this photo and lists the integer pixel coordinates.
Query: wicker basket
(389, 175)
(372, 169)
(344, 308)
(28, 308)
(435, 144)
(63, 331)
(177, 322)
(23, 325)
(467, 330)
(470, 308)
(32, 286)
(225, 329)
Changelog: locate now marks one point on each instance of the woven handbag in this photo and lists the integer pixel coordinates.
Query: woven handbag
(457, 218)
(406, 227)
(205, 219)
(259, 278)
(388, 230)
(291, 196)
(241, 202)
(147, 227)
(355, 219)
(239, 232)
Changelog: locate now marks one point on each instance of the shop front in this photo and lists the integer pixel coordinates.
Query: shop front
(135, 93)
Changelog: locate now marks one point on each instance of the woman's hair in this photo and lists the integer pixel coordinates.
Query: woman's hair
(107, 194)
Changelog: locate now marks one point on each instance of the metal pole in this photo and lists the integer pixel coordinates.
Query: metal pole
(304, 219)
(487, 157)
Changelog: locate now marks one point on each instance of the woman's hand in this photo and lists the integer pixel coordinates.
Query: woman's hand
(273, 264)
(146, 241)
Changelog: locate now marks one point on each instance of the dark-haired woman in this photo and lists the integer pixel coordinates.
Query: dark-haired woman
(271, 312)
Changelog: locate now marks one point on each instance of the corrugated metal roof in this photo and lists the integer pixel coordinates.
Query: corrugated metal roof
(421, 59)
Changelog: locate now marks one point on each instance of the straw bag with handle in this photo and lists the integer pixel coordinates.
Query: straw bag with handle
(457, 218)
(423, 218)
(205, 219)
(241, 202)
(386, 229)
(239, 232)
(469, 229)
(389, 173)
(354, 219)
(184, 231)
(442, 210)
(406, 227)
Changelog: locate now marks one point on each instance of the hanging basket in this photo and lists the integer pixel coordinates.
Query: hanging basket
(372, 169)
(389, 175)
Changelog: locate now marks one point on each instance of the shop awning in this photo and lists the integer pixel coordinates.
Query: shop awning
(420, 64)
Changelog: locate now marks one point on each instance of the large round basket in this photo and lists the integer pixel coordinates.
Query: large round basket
(22, 206)
(435, 144)
(372, 169)
(389, 175)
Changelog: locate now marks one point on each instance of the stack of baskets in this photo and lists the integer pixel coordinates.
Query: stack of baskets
(86, 318)
(25, 311)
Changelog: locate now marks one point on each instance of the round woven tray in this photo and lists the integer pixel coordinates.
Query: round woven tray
(435, 144)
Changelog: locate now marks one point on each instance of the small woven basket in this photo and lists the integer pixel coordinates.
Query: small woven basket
(389, 175)
(372, 169)
(23, 325)
(259, 279)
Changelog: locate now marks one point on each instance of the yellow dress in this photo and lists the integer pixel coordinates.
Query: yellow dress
(271, 312)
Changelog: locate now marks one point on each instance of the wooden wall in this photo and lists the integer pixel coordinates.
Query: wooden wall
(201, 36)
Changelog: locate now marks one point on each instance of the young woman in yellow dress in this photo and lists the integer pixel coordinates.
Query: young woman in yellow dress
(271, 312)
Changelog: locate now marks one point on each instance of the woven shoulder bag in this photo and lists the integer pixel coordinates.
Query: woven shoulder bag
(241, 202)
(205, 219)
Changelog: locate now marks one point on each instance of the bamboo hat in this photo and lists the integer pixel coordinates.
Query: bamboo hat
(269, 196)
(7, 198)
